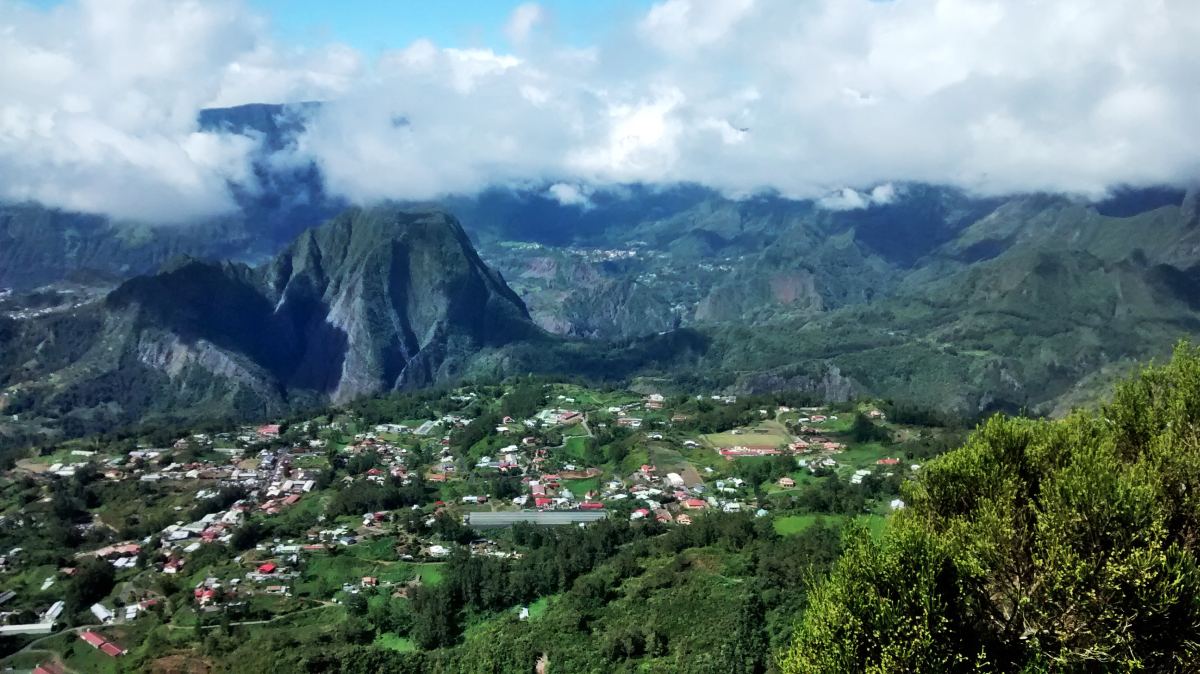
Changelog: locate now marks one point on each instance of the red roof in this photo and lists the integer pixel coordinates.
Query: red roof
(695, 503)
(269, 567)
(112, 649)
(93, 638)
(888, 462)
(269, 429)
(591, 505)
(542, 501)
(48, 668)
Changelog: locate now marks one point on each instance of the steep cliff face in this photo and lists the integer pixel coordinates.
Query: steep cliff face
(374, 300)
(385, 298)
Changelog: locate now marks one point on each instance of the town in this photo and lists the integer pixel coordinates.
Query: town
(289, 521)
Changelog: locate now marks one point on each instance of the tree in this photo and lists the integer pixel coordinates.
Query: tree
(93, 580)
(865, 430)
(1040, 545)
(356, 605)
(748, 653)
(436, 617)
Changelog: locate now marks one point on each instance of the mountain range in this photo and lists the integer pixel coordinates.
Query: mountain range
(935, 296)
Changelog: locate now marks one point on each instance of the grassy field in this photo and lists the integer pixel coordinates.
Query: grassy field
(394, 642)
(861, 456)
(767, 433)
(575, 447)
(539, 607)
(574, 431)
(581, 487)
(789, 525)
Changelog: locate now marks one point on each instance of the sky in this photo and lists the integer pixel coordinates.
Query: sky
(834, 100)
(374, 26)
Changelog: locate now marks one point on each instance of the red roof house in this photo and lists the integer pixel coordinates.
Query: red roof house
(269, 567)
(112, 649)
(93, 638)
(591, 505)
(888, 462)
(695, 504)
(542, 501)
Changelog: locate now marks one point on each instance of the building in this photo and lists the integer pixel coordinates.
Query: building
(102, 613)
(541, 518)
(92, 638)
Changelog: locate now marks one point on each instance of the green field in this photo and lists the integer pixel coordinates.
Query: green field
(539, 607)
(789, 525)
(575, 446)
(862, 456)
(395, 642)
(324, 574)
(581, 487)
(732, 440)
(767, 433)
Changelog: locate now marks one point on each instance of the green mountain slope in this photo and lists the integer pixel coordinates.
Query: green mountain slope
(1054, 311)
(1039, 546)
(374, 300)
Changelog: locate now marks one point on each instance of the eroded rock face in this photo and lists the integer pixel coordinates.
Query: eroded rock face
(1190, 209)
(375, 299)
(824, 380)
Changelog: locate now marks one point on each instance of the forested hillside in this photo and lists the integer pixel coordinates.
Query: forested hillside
(1064, 545)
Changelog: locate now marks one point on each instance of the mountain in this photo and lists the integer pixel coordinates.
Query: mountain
(1037, 305)
(41, 245)
(374, 300)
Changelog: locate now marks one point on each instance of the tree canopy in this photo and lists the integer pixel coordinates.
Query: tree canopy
(1040, 545)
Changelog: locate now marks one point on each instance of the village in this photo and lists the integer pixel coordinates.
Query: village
(266, 522)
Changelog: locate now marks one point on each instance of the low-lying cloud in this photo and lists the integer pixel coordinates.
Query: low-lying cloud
(829, 100)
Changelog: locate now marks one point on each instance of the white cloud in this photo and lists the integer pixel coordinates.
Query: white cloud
(821, 99)
(809, 98)
(570, 195)
(522, 22)
(850, 199)
(98, 102)
(685, 25)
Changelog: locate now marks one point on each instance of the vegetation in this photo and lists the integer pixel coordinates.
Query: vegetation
(1040, 545)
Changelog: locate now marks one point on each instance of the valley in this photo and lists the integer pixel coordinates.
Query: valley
(359, 524)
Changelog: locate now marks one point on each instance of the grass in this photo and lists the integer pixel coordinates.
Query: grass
(430, 574)
(575, 446)
(862, 456)
(581, 487)
(574, 431)
(771, 439)
(634, 460)
(539, 607)
(790, 525)
(393, 642)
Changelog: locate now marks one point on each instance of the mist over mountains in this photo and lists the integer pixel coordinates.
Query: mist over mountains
(921, 292)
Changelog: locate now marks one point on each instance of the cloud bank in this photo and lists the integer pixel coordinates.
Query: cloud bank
(828, 99)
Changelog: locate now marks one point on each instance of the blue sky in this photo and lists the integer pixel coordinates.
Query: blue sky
(372, 25)
(375, 25)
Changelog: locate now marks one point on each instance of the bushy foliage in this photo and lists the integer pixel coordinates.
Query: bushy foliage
(1038, 546)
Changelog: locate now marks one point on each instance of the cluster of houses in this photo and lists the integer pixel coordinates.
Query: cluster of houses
(102, 643)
